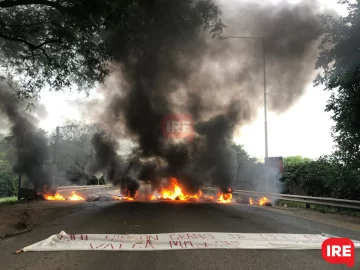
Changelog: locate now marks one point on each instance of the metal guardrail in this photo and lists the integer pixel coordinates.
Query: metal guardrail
(30, 193)
(71, 188)
(297, 198)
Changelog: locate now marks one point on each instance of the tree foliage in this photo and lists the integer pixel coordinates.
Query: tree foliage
(8, 180)
(340, 64)
(63, 43)
(293, 160)
(323, 177)
(74, 151)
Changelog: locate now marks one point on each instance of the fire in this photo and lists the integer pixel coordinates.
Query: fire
(56, 197)
(75, 197)
(174, 192)
(261, 201)
(224, 197)
(122, 198)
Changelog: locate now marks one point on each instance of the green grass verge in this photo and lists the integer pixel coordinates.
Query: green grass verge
(319, 208)
(8, 200)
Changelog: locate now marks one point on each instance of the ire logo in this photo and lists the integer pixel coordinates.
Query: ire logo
(178, 127)
(338, 251)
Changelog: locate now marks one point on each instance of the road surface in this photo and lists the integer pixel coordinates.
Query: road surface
(111, 217)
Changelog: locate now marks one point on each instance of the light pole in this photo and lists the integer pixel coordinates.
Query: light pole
(264, 77)
(57, 137)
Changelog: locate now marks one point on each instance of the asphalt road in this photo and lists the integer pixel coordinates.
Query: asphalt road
(167, 217)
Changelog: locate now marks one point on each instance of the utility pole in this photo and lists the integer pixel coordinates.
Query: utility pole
(265, 99)
(55, 154)
(262, 39)
(265, 117)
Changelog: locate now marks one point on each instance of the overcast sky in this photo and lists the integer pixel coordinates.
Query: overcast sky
(303, 130)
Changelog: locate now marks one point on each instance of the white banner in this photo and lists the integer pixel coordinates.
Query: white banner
(176, 241)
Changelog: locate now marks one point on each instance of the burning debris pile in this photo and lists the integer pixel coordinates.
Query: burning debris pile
(262, 201)
(173, 192)
(181, 70)
(58, 197)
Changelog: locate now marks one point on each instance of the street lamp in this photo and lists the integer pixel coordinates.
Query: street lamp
(264, 73)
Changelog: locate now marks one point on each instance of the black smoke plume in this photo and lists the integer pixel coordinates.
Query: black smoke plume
(31, 143)
(179, 68)
(108, 162)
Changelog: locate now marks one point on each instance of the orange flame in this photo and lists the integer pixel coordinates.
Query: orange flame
(224, 197)
(261, 201)
(123, 198)
(56, 197)
(174, 192)
(75, 197)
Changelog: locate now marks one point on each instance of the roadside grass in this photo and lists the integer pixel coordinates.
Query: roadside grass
(319, 208)
(8, 200)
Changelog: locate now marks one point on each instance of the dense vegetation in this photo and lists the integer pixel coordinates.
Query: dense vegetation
(326, 176)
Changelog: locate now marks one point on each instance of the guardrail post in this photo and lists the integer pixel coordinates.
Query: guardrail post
(307, 205)
(19, 187)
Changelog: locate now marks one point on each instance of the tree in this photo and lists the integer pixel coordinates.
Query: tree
(57, 43)
(63, 43)
(8, 180)
(295, 160)
(340, 62)
(74, 151)
(323, 177)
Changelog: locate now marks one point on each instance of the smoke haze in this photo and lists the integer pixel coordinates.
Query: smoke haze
(31, 143)
(218, 82)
